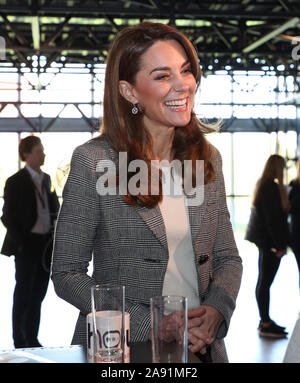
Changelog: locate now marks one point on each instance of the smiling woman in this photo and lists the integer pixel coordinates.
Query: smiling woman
(151, 78)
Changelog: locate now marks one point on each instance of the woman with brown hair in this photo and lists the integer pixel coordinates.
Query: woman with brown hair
(146, 237)
(268, 229)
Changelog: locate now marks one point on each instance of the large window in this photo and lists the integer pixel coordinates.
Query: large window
(63, 90)
(58, 148)
(72, 90)
(8, 157)
(244, 156)
(66, 90)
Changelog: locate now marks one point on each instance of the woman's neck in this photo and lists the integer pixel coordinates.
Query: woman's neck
(162, 142)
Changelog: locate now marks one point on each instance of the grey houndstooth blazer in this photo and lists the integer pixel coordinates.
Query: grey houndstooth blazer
(129, 247)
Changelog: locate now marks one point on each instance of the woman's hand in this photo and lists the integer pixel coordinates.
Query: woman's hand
(203, 325)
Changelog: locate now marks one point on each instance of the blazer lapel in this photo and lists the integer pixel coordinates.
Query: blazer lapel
(195, 217)
(197, 213)
(154, 220)
(152, 217)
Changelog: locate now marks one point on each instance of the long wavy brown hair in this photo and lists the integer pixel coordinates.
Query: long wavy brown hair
(273, 171)
(125, 131)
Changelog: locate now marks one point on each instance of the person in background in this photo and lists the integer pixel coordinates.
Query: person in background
(29, 211)
(268, 229)
(151, 241)
(294, 197)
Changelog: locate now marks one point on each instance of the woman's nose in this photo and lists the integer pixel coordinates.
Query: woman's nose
(180, 83)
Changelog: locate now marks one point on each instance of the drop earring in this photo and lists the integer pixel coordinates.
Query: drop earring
(135, 109)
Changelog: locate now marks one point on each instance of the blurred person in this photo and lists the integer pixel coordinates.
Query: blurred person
(29, 211)
(294, 198)
(154, 243)
(268, 229)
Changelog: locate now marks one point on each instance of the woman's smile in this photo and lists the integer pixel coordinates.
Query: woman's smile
(177, 105)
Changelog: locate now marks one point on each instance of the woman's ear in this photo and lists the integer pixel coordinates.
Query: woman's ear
(127, 91)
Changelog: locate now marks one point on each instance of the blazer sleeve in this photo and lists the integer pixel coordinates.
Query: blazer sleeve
(75, 232)
(227, 264)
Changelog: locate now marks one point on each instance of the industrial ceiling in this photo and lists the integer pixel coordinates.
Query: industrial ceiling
(244, 34)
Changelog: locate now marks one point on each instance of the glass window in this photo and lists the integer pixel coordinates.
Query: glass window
(215, 89)
(68, 87)
(286, 145)
(251, 151)
(240, 213)
(59, 148)
(222, 141)
(254, 88)
(242, 94)
(99, 86)
(9, 86)
(9, 111)
(8, 157)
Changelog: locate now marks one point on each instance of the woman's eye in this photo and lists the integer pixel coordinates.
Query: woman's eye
(161, 77)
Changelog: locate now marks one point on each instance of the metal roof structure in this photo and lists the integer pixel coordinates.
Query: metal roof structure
(82, 30)
(229, 35)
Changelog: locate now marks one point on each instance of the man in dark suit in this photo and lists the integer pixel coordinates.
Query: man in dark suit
(29, 212)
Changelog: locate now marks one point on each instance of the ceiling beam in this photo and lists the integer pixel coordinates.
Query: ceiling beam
(288, 24)
(22, 40)
(56, 32)
(17, 52)
(147, 10)
(35, 30)
(284, 6)
(221, 35)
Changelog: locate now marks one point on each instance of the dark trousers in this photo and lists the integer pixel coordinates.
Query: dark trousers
(32, 277)
(268, 265)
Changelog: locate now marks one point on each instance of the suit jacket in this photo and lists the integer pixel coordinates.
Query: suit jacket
(20, 209)
(129, 247)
